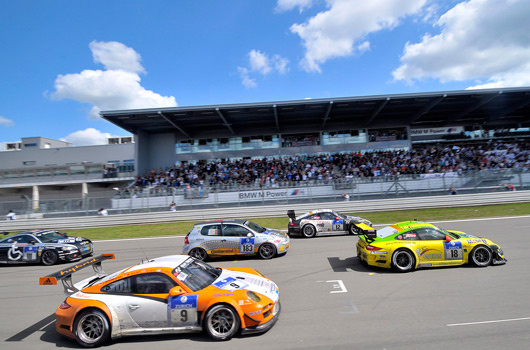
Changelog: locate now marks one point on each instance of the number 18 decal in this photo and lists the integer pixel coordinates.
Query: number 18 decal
(453, 250)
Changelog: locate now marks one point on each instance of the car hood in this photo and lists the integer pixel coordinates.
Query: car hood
(231, 280)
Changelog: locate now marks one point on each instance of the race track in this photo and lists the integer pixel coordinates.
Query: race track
(329, 300)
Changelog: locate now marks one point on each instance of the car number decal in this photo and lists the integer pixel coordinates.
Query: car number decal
(230, 284)
(338, 225)
(182, 310)
(453, 250)
(246, 245)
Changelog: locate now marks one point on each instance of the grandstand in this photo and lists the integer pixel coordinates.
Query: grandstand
(403, 144)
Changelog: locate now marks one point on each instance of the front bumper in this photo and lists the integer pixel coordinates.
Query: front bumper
(264, 327)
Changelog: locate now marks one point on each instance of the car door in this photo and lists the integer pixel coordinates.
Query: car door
(145, 300)
(436, 250)
(327, 223)
(233, 240)
(18, 249)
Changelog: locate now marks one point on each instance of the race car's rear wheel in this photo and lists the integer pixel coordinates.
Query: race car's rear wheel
(481, 256)
(199, 254)
(309, 231)
(49, 257)
(403, 260)
(221, 322)
(91, 328)
(267, 251)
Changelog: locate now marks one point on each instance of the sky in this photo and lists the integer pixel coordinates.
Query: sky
(63, 61)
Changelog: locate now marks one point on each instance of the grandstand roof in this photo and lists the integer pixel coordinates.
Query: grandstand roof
(489, 107)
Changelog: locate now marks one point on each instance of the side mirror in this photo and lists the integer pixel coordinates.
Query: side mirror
(250, 235)
(448, 238)
(176, 291)
(337, 218)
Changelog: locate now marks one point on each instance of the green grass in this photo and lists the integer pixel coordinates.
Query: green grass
(384, 217)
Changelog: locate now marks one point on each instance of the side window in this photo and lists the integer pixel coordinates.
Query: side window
(211, 230)
(120, 286)
(327, 216)
(408, 236)
(152, 283)
(234, 231)
(430, 234)
(25, 239)
(316, 217)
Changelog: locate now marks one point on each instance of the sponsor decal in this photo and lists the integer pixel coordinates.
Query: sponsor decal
(255, 313)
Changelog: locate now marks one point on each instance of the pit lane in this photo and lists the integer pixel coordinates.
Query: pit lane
(444, 308)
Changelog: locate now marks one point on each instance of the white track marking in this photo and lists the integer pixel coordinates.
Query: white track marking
(338, 284)
(484, 322)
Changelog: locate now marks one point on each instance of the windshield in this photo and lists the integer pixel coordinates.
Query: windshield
(195, 274)
(255, 227)
(51, 236)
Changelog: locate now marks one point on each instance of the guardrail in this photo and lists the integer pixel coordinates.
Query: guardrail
(265, 211)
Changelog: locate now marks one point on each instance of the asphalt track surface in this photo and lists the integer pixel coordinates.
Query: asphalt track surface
(329, 300)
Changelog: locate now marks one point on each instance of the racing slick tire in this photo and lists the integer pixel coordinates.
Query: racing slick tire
(221, 322)
(309, 231)
(354, 230)
(403, 260)
(49, 257)
(481, 256)
(267, 251)
(199, 254)
(91, 328)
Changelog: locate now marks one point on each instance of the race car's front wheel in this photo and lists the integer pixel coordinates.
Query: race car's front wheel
(403, 260)
(481, 256)
(199, 254)
(221, 322)
(267, 251)
(49, 257)
(91, 328)
(354, 230)
(309, 231)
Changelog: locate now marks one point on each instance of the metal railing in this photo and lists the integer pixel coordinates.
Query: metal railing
(384, 187)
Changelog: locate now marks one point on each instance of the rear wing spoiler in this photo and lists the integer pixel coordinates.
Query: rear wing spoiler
(65, 276)
(367, 231)
(291, 215)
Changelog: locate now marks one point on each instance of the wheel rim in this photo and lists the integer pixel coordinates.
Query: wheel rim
(403, 260)
(222, 322)
(90, 328)
(48, 257)
(481, 256)
(309, 231)
(266, 251)
(198, 254)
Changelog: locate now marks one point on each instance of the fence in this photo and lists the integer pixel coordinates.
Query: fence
(319, 191)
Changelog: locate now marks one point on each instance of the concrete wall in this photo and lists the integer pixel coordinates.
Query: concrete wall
(65, 156)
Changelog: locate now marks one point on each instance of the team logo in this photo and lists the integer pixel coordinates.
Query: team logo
(183, 299)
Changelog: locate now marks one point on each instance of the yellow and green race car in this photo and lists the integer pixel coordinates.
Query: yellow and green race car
(408, 245)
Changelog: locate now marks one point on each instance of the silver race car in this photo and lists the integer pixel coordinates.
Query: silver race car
(323, 222)
(234, 237)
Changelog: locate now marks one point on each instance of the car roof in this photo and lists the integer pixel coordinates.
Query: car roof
(170, 261)
(319, 211)
(409, 225)
(227, 221)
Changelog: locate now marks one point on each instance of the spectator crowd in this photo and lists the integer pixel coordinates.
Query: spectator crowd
(269, 171)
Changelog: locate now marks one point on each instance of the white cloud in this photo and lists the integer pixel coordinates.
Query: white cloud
(483, 40)
(6, 122)
(261, 63)
(287, 5)
(88, 137)
(335, 32)
(117, 87)
(114, 55)
(245, 78)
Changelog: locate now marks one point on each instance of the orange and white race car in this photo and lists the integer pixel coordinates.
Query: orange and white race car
(167, 295)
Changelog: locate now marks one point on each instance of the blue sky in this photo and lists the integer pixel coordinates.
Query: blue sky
(63, 61)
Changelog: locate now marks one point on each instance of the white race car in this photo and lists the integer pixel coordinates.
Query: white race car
(323, 222)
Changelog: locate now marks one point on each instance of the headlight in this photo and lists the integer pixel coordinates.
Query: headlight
(253, 296)
(69, 248)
